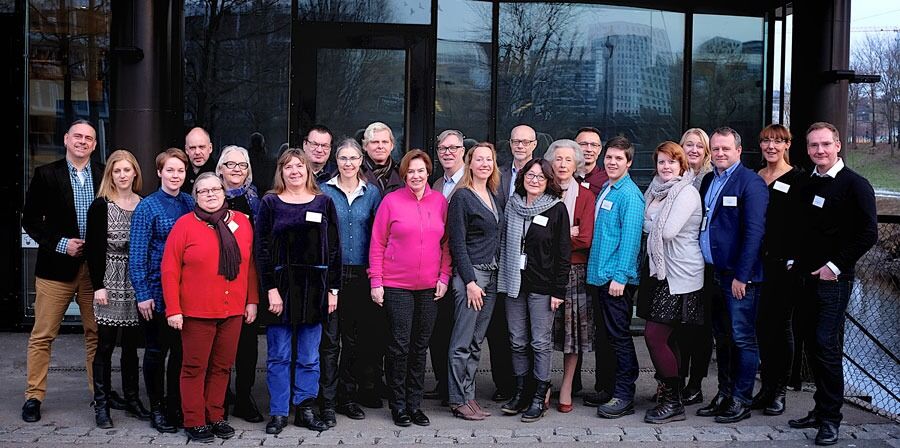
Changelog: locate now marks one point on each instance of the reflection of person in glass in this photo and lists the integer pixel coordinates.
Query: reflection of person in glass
(298, 253)
(317, 146)
(378, 165)
(199, 148)
(115, 308)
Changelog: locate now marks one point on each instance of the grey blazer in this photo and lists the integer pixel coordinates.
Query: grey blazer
(503, 192)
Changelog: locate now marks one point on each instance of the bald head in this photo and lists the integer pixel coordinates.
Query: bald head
(522, 141)
(198, 147)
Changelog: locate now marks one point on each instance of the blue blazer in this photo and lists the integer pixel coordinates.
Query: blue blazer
(736, 233)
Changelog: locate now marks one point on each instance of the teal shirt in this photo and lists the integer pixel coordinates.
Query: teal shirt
(618, 224)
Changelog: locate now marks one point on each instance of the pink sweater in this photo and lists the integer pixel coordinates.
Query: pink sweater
(409, 247)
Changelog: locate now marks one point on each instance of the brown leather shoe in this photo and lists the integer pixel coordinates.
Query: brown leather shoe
(477, 408)
(465, 412)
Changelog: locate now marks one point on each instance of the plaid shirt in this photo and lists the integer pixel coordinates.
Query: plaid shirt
(83, 192)
(617, 235)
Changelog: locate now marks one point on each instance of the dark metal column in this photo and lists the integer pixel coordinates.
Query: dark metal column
(821, 43)
(146, 82)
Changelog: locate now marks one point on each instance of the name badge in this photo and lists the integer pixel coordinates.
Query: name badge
(523, 259)
(313, 217)
(818, 201)
(606, 205)
(703, 223)
(729, 201)
(540, 220)
(233, 226)
(586, 185)
(781, 186)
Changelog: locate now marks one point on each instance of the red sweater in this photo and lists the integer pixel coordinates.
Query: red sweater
(584, 219)
(191, 283)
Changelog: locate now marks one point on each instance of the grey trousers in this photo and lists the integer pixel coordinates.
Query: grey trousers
(469, 329)
(530, 322)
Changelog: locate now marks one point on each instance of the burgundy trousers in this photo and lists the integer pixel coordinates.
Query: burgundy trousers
(209, 347)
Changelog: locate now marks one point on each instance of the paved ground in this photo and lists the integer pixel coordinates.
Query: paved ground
(68, 418)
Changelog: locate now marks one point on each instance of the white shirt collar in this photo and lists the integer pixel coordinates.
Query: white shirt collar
(832, 173)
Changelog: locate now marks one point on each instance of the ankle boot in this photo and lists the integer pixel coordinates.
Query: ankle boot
(670, 408)
(102, 372)
(131, 392)
(519, 400)
(776, 406)
(158, 419)
(304, 417)
(538, 407)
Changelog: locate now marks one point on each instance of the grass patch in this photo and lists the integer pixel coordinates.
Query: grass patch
(875, 164)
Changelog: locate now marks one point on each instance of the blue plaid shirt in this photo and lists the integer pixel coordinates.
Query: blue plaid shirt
(83, 192)
(617, 235)
(151, 223)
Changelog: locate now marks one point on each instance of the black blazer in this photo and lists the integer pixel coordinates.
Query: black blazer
(49, 215)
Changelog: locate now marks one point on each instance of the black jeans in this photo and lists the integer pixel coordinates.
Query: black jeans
(824, 304)
(604, 356)
(774, 329)
(162, 340)
(499, 348)
(439, 346)
(329, 355)
(245, 361)
(410, 316)
(617, 313)
(363, 335)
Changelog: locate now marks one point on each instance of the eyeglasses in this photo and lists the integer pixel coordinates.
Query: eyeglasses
(449, 149)
(209, 191)
(517, 142)
(590, 145)
(531, 177)
(772, 141)
(353, 159)
(233, 165)
(318, 145)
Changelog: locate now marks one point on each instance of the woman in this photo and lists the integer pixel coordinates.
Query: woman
(573, 327)
(209, 285)
(356, 202)
(240, 194)
(150, 225)
(473, 222)
(696, 342)
(776, 337)
(298, 253)
(534, 272)
(409, 268)
(672, 222)
(108, 225)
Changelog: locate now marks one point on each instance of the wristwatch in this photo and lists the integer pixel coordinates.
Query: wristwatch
(333, 291)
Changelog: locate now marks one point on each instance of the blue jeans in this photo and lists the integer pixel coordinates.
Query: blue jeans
(616, 312)
(306, 366)
(734, 327)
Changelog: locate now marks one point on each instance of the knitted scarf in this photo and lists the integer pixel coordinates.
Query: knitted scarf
(229, 252)
(382, 172)
(517, 212)
(665, 192)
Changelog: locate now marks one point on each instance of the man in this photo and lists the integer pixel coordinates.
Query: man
(613, 268)
(450, 152)
(588, 138)
(522, 142)
(317, 146)
(379, 167)
(731, 233)
(198, 147)
(838, 225)
(55, 215)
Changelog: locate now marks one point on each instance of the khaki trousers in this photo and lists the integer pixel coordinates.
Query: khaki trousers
(50, 304)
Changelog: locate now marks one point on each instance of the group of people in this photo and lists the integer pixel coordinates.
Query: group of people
(358, 267)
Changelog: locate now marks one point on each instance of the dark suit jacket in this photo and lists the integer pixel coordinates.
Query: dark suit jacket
(736, 233)
(439, 187)
(49, 215)
(503, 191)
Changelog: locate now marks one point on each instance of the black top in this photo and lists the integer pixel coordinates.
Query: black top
(96, 241)
(549, 249)
(474, 232)
(190, 176)
(781, 214)
(840, 227)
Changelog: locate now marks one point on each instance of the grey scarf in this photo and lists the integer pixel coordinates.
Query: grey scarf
(517, 212)
(665, 192)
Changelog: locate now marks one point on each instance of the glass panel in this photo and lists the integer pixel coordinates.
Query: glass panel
(727, 84)
(463, 82)
(358, 86)
(236, 77)
(565, 66)
(366, 11)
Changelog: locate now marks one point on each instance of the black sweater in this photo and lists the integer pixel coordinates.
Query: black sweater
(781, 214)
(843, 229)
(474, 233)
(549, 249)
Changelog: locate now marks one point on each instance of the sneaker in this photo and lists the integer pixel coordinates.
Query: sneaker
(222, 430)
(615, 408)
(200, 434)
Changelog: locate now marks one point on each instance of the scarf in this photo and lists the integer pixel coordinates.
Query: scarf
(382, 172)
(229, 252)
(665, 192)
(516, 213)
(252, 196)
(570, 194)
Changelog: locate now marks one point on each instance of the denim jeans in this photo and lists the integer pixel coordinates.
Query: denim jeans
(734, 327)
(530, 323)
(410, 316)
(305, 366)
(469, 329)
(616, 312)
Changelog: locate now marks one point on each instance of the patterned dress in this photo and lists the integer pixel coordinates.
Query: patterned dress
(122, 308)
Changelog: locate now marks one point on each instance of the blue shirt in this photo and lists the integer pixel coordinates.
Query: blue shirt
(617, 235)
(83, 194)
(450, 182)
(709, 206)
(354, 220)
(150, 225)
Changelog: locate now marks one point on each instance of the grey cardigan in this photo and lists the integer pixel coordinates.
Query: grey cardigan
(681, 241)
(474, 232)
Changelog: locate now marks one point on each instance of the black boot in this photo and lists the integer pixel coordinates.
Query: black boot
(102, 372)
(762, 398)
(538, 406)
(519, 401)
(670, 408)
(158, 419)
(306, 418)
(776, 406)
(132, 400)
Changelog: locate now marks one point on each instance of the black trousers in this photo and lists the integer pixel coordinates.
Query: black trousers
(411, 317)
(439, 346)
(329, 356)
(162, 379)
(604, 357)
(499, 348)
(695, 342)
(363, 335)
(106, 345)
(245, 361)
(774, 329)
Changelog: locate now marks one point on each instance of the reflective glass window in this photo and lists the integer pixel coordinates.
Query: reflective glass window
(366, 11)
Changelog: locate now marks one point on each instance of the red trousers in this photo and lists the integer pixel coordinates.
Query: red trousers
(209, 347)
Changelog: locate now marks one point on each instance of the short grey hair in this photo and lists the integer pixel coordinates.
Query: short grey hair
(377, 126)
(566, 143)
(243, 152)
(204, 176)
(449, 132)
(726, 131)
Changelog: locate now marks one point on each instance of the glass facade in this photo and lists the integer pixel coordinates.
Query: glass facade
(365, 11)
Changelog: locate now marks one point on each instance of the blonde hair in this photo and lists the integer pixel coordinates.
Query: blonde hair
(278, 186)
(493, 182)
(704, 138)
(107, 188)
